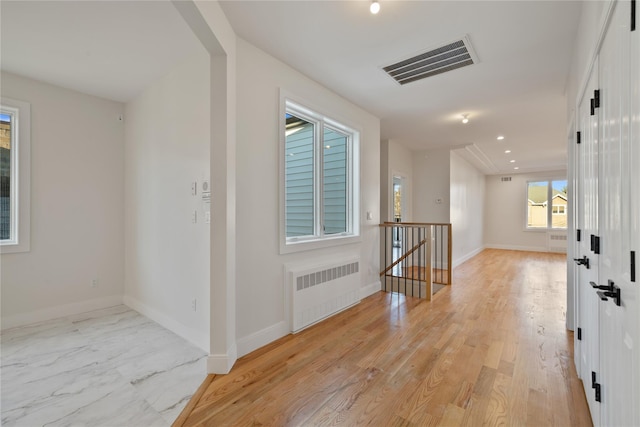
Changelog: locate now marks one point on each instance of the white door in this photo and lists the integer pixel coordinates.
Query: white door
(619, 193)
(588, 312)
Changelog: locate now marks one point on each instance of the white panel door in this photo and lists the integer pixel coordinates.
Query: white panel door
(619, 355)
(588, 224)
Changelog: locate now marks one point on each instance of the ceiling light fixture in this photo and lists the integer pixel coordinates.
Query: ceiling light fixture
(512, 161)
(507, 151)
(375, 7)
(516, 168)
(465, 119)
(500, 138)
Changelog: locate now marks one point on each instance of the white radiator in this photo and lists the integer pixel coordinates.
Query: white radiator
(322, 290)
(557, 241)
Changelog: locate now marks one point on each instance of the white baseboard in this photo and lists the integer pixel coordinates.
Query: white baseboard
(370, 289)
(195, 337)
(467, 257)
(518, 248)
(59, 311)
(261, 338)
(222, 363)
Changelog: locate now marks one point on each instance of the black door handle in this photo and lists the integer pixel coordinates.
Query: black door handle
(582, 261)
(609, 287)
(614, 293)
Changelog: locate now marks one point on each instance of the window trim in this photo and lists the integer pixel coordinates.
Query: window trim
(311, 113)
(549, 226)
(21, 176)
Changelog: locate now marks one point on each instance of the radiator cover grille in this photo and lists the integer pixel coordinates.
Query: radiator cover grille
(322, 290)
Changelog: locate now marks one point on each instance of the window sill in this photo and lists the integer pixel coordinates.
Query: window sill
(13, 248)
(307, 245)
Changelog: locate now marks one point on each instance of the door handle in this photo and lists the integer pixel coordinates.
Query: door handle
(609, 287)
(582, 261)
(613, 292)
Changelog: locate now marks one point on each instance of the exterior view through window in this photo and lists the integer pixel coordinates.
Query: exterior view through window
(547, 204)
(317, 176)
(6, 121)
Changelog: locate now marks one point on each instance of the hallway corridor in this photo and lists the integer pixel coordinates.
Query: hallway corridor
(491, 349)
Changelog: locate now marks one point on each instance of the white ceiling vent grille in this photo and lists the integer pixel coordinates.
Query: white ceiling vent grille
(445, 58)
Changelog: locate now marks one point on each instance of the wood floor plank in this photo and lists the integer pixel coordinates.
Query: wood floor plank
(491, 349)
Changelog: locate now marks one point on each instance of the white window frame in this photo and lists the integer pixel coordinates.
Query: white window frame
(300, 108)
(20, 111)
(550, 213)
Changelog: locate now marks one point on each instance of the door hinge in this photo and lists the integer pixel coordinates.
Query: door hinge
(593, 107)
(579, 334)
(596, 98)
(578, 235)
(595, 386)
(633, 15)
(633, 266)
(595, 244)
(578, 140)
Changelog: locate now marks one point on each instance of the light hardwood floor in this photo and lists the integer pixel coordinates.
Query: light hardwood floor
(490, 350)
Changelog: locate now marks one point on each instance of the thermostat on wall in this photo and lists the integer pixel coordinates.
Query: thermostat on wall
(206, 191)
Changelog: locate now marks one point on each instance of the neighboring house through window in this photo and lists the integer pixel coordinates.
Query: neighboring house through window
(14, 175)
(540, 213)
(320, 177)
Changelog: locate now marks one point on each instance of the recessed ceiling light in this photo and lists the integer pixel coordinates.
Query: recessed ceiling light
(500, 138)
(512, 161)
(507, 151)
(516, 168)
(465, 119)
(375, 7)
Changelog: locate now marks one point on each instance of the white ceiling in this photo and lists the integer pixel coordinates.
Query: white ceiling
(517, 88)
(110, 49)
(115, 49)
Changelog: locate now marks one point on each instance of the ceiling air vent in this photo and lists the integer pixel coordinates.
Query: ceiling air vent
(445, 58)
(505, 179)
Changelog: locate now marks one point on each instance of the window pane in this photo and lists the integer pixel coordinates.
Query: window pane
(298, 177)
(335, 182)
(559, 202)
(537, 205)
(5, 176)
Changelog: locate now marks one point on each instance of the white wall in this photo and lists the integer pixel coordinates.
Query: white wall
(167, 134)
(505, 210)
(77, 193)
(260, 275)
(430, 183)
(467, 195)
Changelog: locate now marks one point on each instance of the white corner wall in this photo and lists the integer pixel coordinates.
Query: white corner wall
(167, 136)
(431, 186)
(77, 194)
(467, 194)
(505, 213)
(260, 292)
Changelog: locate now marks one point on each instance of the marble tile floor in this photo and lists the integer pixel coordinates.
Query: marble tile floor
(111, 367)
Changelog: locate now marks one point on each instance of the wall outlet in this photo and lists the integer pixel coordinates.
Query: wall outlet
(94, 283)
(194, 304)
